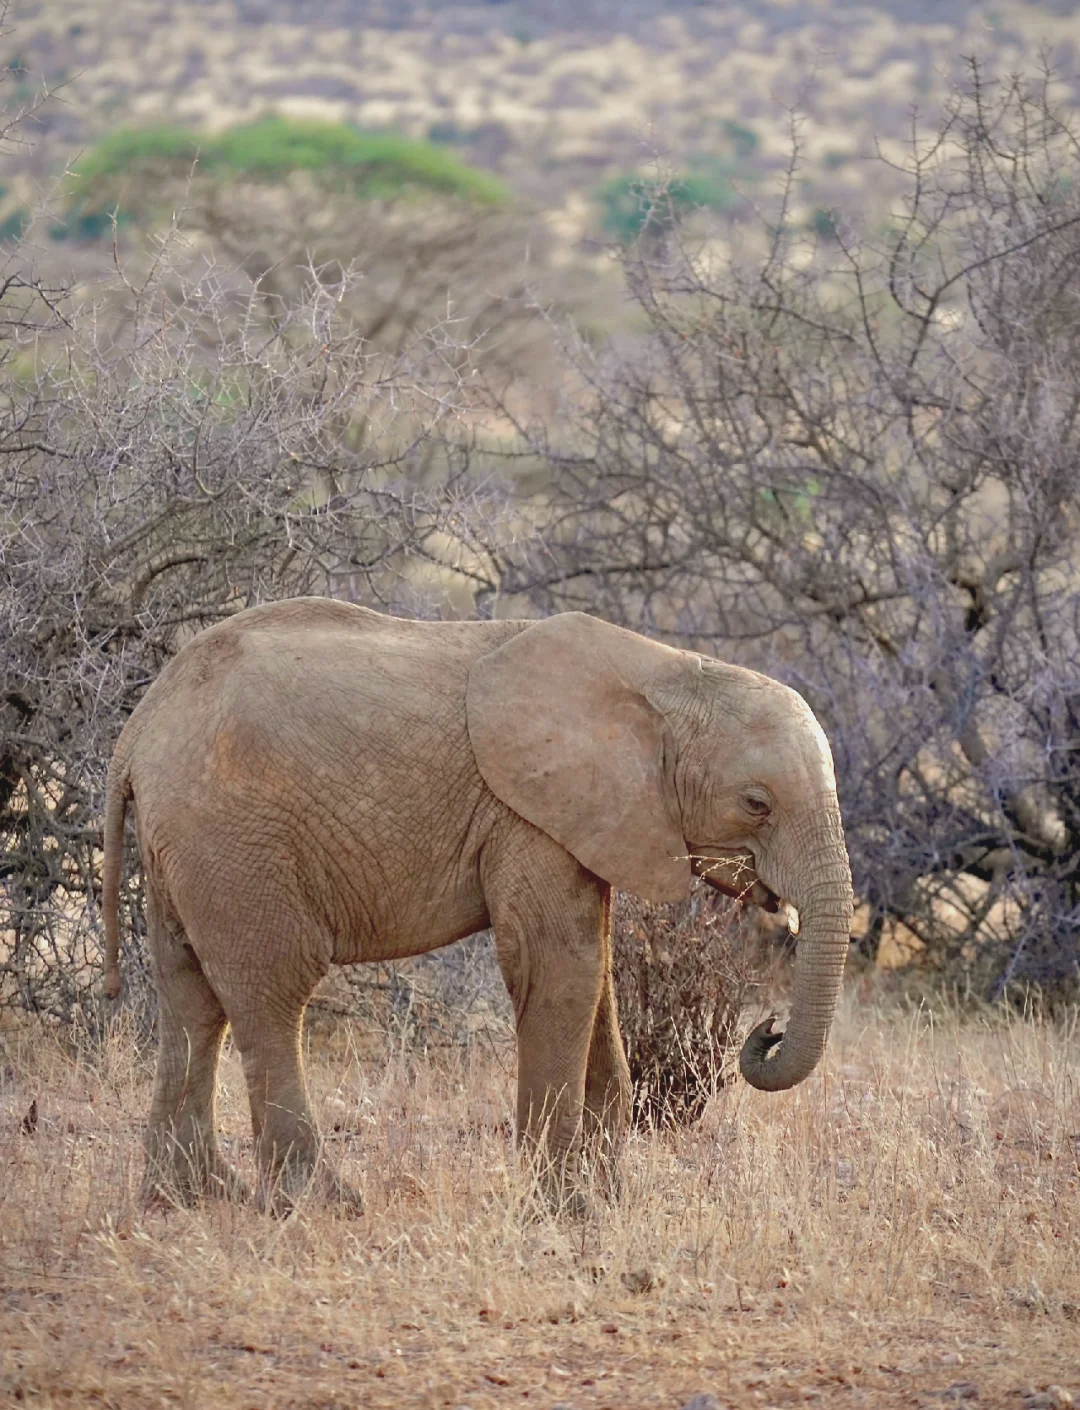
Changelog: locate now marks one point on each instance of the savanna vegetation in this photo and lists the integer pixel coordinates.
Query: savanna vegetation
(310, 359)
(900, 1231)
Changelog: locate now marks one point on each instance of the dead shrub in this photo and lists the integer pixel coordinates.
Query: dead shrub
(683, 973)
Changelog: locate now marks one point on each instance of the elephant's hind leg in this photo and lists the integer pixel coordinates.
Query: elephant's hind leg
(182, 1160)
(286, 1140)
(267, 1028)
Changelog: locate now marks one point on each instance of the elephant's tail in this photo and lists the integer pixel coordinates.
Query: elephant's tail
(117, 794)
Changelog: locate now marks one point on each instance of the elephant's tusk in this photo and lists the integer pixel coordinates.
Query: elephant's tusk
(792, 916)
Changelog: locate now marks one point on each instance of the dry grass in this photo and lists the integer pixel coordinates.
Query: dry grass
(905, 1222)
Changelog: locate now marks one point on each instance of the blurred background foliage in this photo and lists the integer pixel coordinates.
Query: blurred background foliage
(370, 165)
(641, 207)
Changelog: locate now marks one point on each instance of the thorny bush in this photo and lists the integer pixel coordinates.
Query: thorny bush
(175, 445)
(855, 464)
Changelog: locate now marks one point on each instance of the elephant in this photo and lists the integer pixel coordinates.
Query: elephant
(315, 784)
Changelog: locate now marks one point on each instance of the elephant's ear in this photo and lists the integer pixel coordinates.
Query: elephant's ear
(564, 735)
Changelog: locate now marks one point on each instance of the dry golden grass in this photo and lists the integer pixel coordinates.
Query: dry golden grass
(906, 1222)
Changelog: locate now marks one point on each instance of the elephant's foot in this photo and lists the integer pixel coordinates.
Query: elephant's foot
(179, 1178)
(606, 1178)
(601, 1164)
(284, 1187)
(570, 1201)
(578, 1206)
(564, 1191)
(344, 1196)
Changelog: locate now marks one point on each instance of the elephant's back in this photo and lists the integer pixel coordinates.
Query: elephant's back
(289, 679)
(276, 637)
(325, 619)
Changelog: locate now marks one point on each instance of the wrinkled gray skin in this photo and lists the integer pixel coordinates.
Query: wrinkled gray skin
(317, 784)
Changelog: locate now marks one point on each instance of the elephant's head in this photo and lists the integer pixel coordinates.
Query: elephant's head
(650, 764)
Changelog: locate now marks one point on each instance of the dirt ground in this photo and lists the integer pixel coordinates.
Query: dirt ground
(904, 1229)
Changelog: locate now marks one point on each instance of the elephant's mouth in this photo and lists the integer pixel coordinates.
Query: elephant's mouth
(735, 874)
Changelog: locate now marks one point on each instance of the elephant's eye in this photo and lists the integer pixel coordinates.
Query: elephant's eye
(758, 805)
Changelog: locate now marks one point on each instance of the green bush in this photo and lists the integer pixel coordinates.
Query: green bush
(636, 206)
(446, 133)
(372, 165)
(122, 150)
(14, 226)
(743, 139)
(823, 224)
(81, 223)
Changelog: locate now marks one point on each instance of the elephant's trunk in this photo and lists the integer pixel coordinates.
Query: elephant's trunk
(820, 888)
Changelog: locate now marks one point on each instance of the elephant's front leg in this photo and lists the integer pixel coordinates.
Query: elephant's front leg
(550, 920)
(608, 1090)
